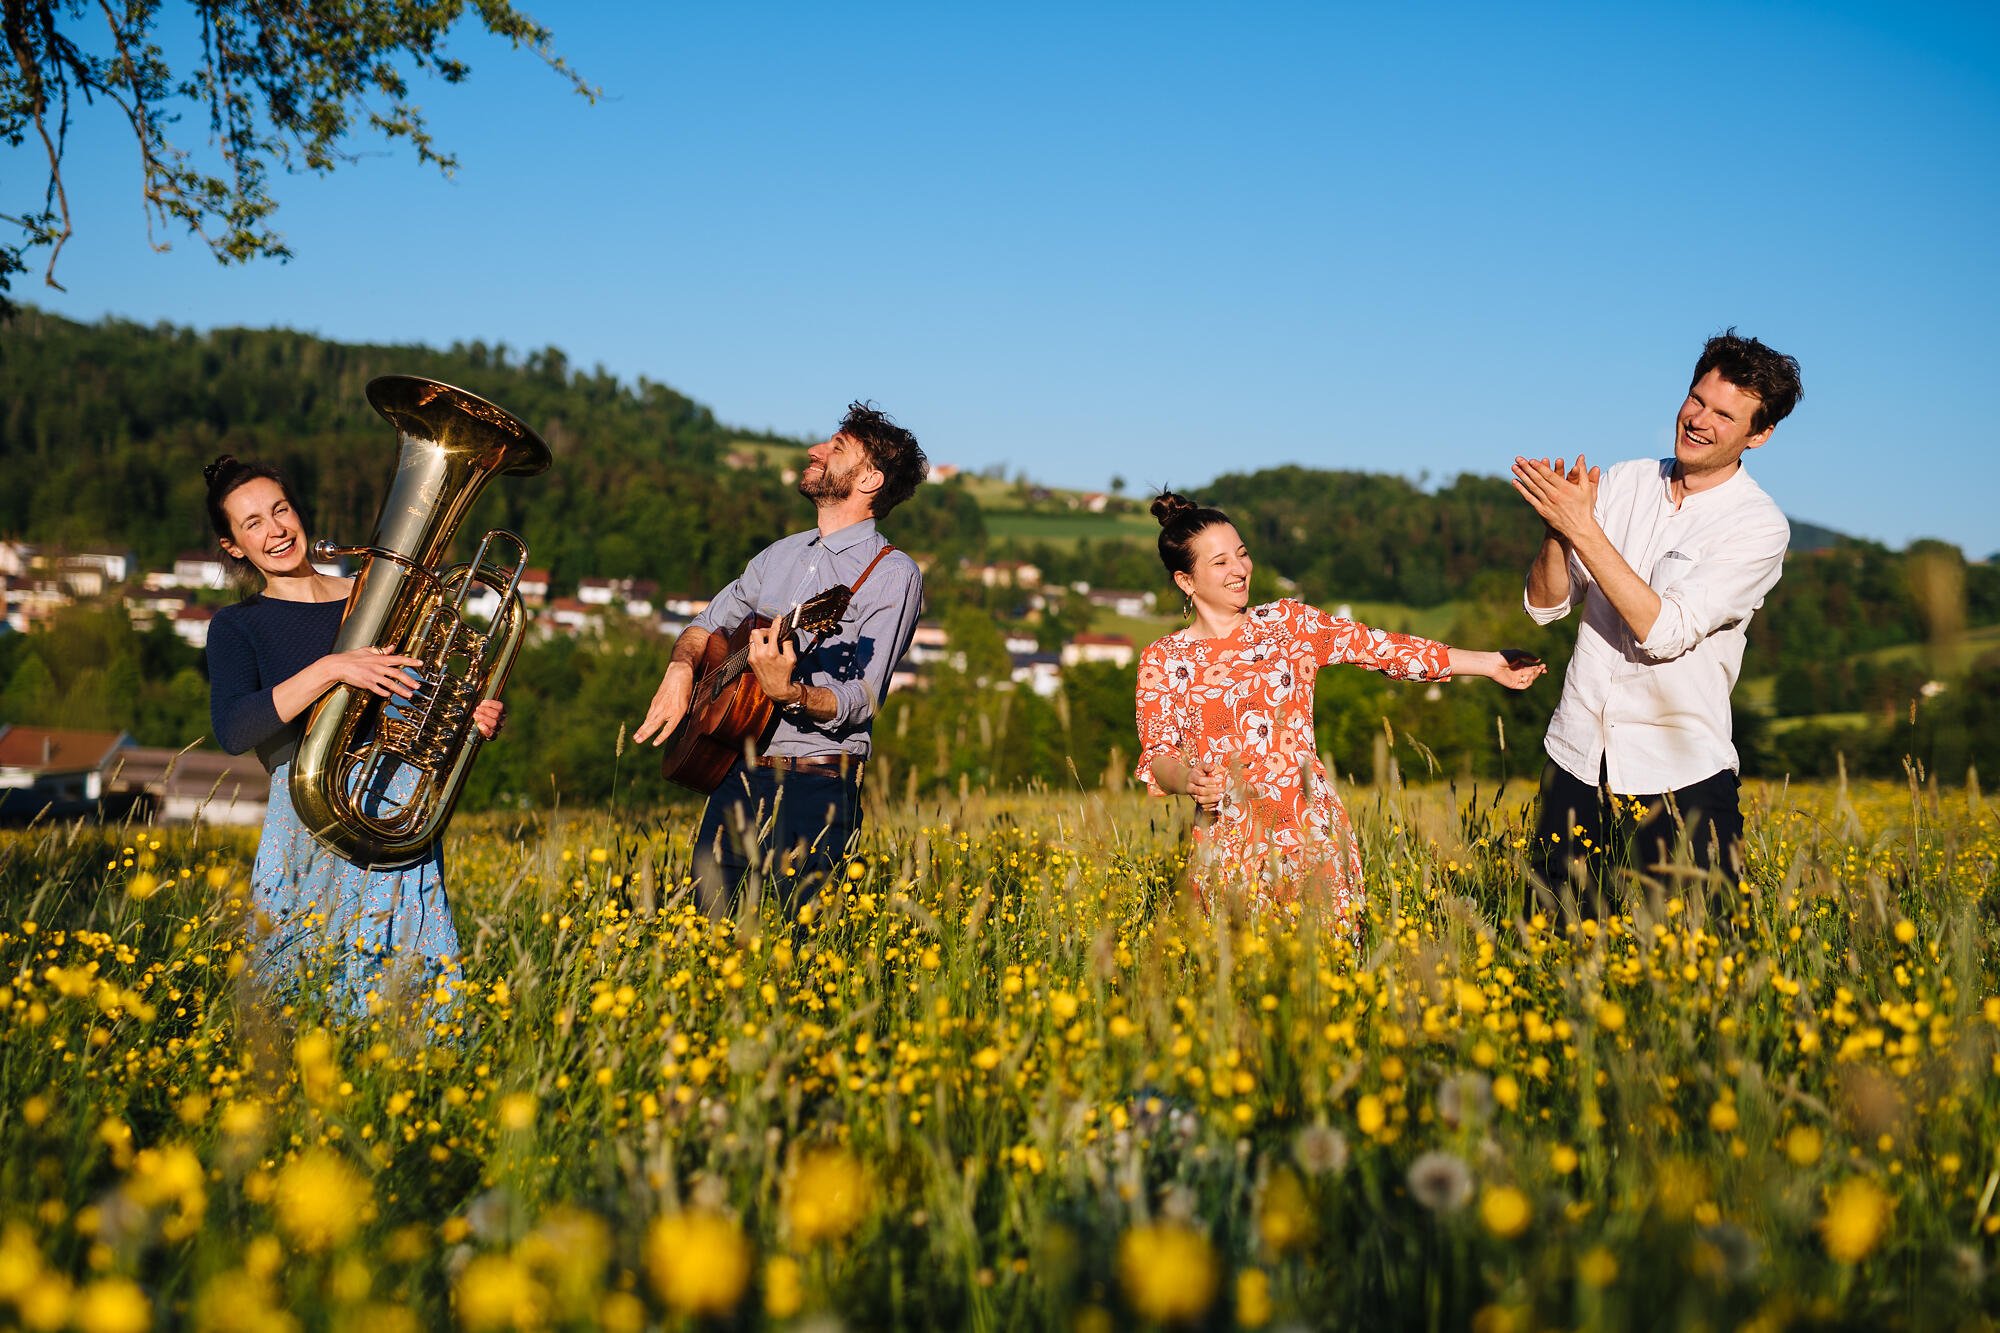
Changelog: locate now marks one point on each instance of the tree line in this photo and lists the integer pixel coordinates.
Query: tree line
(104, 428)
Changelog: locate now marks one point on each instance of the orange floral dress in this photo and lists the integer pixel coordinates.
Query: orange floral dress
(1246, 702)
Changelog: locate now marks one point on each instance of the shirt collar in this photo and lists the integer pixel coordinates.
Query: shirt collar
(843, 539)
(1711, 495)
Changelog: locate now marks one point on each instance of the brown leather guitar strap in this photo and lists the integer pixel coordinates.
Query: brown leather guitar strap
(856, 585)
(852, 588)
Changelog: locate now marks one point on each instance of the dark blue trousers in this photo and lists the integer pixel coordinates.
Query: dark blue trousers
(773, 832)
(1638, 832)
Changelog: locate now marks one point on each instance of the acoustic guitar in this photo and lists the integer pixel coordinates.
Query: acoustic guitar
(728, 711)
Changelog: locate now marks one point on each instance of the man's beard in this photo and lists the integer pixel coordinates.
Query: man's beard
(826, 486)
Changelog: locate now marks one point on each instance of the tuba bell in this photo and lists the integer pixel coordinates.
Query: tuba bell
(375, 779)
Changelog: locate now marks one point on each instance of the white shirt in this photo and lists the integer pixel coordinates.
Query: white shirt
(1655, 712)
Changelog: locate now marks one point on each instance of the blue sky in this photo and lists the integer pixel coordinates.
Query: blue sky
(1165, 242)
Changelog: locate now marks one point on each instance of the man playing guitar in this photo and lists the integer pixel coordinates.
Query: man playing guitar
(795, 806)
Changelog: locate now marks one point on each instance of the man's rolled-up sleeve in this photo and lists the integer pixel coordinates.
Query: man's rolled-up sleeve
(1717, 591)
(1579, 584)
(885, 614)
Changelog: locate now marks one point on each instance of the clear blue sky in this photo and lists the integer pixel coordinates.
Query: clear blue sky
(1166, 242)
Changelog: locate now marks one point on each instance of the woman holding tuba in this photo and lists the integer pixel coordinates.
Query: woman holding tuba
(270, 659)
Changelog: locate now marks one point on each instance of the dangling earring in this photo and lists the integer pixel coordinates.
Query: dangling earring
(1187, 606)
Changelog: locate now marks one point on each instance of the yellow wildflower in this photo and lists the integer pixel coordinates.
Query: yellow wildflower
(1856, 1212)
(828, 1195)
(784, 1287)
(1505, 1211)
(496, 1292)
(320, 1200)
(1168, 1271)
(1597, 1267)
(1253, 1298)
(1286, 1218)
(699, 1261)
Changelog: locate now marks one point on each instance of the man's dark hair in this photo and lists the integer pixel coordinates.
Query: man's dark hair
(1754, 368)
(893, 450)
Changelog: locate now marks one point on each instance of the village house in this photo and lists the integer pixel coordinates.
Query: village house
(684, 604)
(191, 623)
(632, 596)
(1116, 649)
(199, 569)
(188, 785)
(482, 603)
(567, 615)
(1018, 640)
(1004, 574)
(90, 573)
(928, 642)
(31, 601)
(16, 559)
(1040, 672)
(142, 608)
(1123, 601)
(534, 586)
(43, 767)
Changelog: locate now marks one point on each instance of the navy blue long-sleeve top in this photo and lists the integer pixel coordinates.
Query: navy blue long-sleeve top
(252, 647)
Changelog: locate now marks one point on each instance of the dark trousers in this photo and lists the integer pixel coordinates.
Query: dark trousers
(1584, 831)
(770, 831)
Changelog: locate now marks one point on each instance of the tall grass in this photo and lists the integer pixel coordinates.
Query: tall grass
(1003, 1077)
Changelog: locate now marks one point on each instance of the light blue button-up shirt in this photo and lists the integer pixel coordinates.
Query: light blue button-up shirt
(857, 658)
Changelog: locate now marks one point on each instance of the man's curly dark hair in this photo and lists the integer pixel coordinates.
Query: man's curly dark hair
(892, 449)
(1754, 368)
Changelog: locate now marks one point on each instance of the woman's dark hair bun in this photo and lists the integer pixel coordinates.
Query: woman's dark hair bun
(1170, 508)
(1181, 521)
(222, 464)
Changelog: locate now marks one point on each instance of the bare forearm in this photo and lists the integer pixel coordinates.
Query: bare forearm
(1473, 662)
(1636, 603)
(689, 648)
(293, 695)
(815, 701)
(1171, 772)
(1548, 576)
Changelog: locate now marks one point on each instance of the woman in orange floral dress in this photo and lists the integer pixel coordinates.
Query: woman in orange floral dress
(1225, 718)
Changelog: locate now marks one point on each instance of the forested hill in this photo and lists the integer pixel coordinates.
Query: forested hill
(104, 429)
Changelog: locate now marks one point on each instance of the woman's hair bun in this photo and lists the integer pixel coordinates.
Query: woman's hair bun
(222, 464)
(1170, 508)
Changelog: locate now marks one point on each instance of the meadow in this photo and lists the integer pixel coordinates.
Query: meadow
(1004, 1077)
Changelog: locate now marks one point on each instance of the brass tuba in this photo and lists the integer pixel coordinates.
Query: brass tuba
(375, 779)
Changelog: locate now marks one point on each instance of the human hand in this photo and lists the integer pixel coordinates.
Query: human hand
(488, 716)
(1206, 783)
(669, 705)
(376, 670)
(774, 658)
(1566, 500)
(1517, 669)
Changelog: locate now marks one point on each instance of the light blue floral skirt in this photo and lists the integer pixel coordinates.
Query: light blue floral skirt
(322, 920)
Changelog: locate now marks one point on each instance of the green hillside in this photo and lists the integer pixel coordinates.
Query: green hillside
(104, 429)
